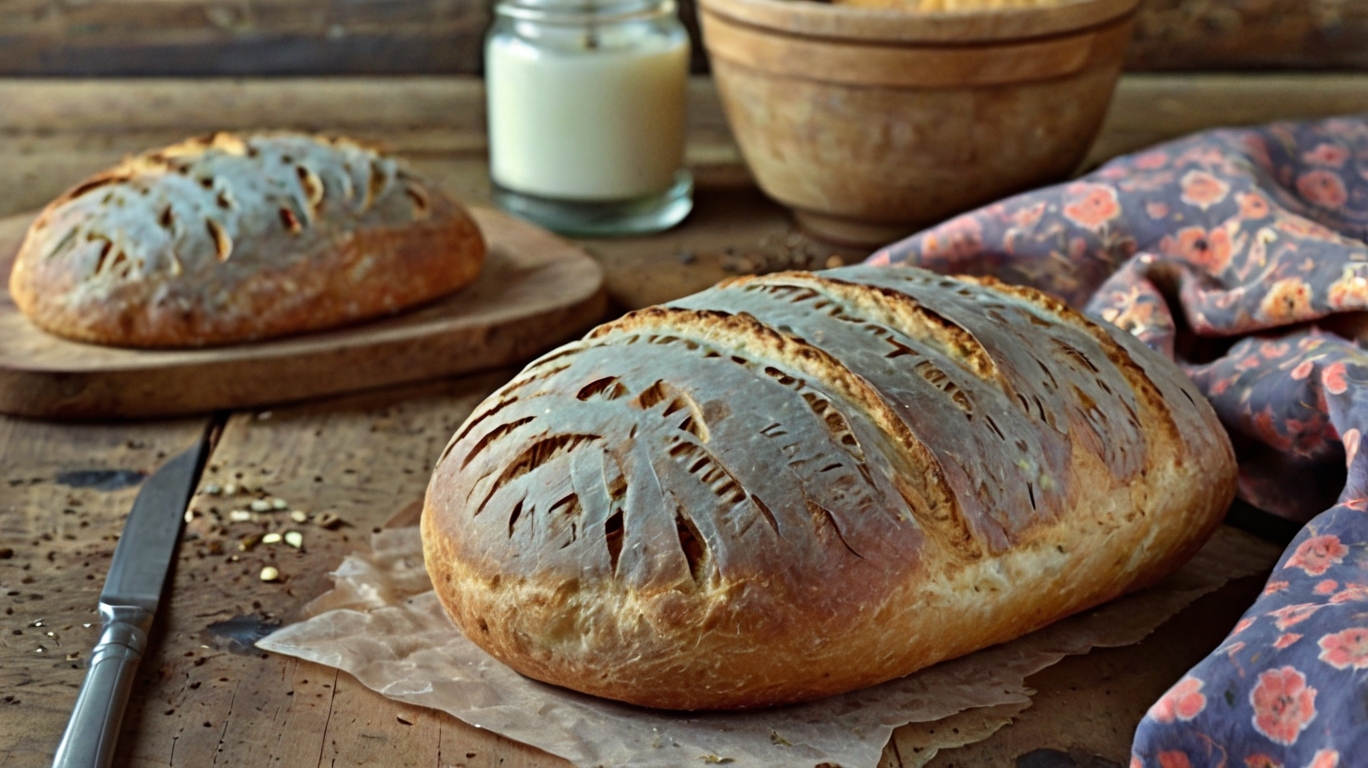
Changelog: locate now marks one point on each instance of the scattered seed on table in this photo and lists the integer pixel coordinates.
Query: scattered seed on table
(269, 573)
(213, 489)
(299, 516)
(247, 544)
(239, 515)
(271, 538)
(261, 505)
(230, 489)
(328, 520)
(294, 539)
(279, 504)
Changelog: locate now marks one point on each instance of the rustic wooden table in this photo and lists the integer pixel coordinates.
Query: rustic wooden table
(198, 700)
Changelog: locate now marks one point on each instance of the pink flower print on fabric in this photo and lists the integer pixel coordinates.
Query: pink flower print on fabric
(1090, 205)
(1209, 250)
(1322, 188)
(1218, 250)
(1202, 190)
(1317, 554)
(1351, 593)
(1291, 615)
(1326, 154)
(1333, 379)
(1283, 705)
(1345, 649)
(1253, 206)
(1351, 440)
(1183, 701)
(1286, 640)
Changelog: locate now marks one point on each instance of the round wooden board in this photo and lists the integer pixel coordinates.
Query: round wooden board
(536, 291)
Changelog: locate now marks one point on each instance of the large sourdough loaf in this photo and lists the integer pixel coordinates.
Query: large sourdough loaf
(795, 485)
(238, 238)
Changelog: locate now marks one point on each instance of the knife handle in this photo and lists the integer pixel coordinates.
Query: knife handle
(93, 729)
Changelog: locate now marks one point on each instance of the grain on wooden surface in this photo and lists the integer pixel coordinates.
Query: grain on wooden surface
(258, 708)
(198, 703)
(363, 458)
(64, 493)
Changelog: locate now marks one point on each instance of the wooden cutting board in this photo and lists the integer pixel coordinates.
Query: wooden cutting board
(535, 291)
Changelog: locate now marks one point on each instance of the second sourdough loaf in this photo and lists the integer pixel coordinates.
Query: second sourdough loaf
(801, 484)
(232, 238)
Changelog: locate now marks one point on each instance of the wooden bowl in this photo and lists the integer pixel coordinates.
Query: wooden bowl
(872, 123)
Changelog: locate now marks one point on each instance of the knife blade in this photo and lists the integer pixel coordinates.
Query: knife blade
(128, 602)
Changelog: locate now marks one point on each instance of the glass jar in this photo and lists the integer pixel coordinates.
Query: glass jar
(586, 114)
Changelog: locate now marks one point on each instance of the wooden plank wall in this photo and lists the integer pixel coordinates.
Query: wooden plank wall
(310, 37)
(240, 37)
(1250, 34)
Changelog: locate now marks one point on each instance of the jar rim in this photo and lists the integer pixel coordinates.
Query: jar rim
(572, 12)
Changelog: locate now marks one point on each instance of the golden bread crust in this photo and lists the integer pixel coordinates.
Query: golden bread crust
(229, 238)
(796, 485)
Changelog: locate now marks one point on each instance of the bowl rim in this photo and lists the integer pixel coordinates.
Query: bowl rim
(806, 18)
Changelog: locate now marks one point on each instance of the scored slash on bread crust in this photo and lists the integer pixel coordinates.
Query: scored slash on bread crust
(229, 238)
(796, 485)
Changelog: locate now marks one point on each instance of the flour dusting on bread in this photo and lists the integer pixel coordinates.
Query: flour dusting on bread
(800, 484)
(230, 238)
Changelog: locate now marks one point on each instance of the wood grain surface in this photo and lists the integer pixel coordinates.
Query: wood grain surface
(535, 291)
(245, 37)
(65, 486)
(62, 504)
(1173, 35)
(56, 132)
(330, 37)
(204, 699)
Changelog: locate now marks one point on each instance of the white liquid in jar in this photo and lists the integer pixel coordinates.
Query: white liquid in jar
(587, 124)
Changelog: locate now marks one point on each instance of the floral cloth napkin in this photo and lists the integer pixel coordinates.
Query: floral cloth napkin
(1241, 254)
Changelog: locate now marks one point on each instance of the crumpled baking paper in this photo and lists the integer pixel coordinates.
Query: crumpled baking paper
(383, 624)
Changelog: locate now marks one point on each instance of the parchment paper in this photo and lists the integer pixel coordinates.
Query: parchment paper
(383, 624)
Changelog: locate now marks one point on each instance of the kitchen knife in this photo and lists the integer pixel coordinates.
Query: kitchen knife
(127, 605)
